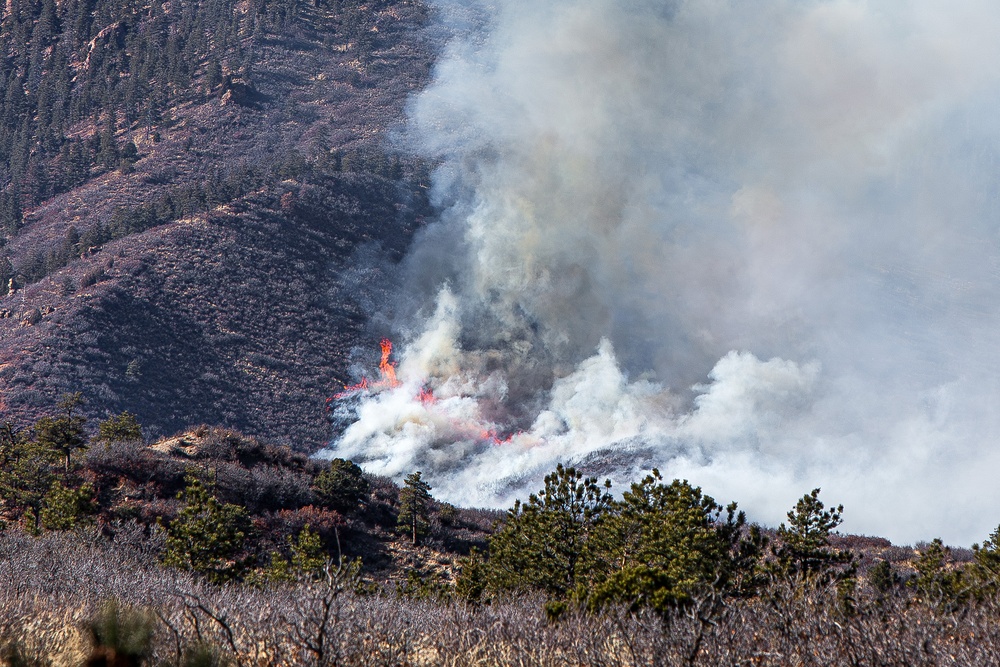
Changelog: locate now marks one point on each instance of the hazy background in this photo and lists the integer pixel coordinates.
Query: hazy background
(755, 244)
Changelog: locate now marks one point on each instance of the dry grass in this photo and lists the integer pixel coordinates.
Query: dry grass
(51, 585)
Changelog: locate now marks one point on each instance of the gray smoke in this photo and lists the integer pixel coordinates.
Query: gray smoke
(754, 244)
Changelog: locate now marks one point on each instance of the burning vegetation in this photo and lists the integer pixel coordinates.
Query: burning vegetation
(387, 376)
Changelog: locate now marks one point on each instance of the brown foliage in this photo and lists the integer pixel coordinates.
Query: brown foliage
(50, 586)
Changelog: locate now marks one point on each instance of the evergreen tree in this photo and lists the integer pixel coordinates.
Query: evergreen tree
(207, 536)
(543, 543)
(938, 581)
(307, 562)
(63, 507)
(213, 75)
(64, 433)
(803, 551)
(27, 471)
(985, 568)
(342, 486)
(414, 506)
(109, 154)
(473, 577)
(665, 544)
(122, 427)
(882, 577)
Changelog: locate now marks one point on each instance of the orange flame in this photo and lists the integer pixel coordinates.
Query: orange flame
(492, 436)
(386, 369)
(388, 380)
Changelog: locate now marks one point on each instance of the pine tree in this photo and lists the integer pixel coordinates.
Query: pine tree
(207, 536)
(342, 486)
(65, 507)
(666, 543)
(472, 577)
(27, 471)
(108, 153)
(804, 551)
(938, 582)
(122, 427)
(882, 578)
(64, 433)
(543, 543)
(308, 559)
(985, 568)
(414, 506)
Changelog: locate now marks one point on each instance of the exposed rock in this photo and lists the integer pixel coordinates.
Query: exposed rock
(241, 92)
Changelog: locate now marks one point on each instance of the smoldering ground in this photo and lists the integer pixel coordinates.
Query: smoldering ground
(755, 244)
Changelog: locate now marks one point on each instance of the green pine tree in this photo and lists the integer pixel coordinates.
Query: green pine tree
(64, 433)
(308, 559)
(666, 543)
(64, 508)
(27, 471)
(882, 578)
(938, 581)
(985, 568)
(341, 487)
(414, 506)
(543, 543)
(803, 551)
(472, 577)
(122, 427)
(207, 537)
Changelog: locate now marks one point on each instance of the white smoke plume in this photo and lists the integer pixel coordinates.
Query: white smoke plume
(754, 244)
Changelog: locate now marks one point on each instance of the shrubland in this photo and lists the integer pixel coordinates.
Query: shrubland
(211, 547)
(184, 190)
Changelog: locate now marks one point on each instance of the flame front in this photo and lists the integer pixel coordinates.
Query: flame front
(386, 367)
(463, 427)
(387, 380)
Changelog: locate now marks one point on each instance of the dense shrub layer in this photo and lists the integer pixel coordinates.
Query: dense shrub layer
(52, 587)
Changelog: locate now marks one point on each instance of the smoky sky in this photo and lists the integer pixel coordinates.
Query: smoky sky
(755, 241)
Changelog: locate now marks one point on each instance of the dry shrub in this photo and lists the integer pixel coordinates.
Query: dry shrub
(52, 586)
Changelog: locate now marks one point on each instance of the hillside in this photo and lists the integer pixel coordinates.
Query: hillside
(130, 481)
(217, 546)
(174, 238)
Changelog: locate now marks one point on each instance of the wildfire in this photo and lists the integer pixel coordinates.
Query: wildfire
(387, 380)
(492, 436)
(386, 367)
(426, 395)
(387, 376)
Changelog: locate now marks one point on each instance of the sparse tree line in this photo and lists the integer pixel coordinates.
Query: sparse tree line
(119, 65)
(113, 551)
(219, 188)
(669, 548)
(235, 510)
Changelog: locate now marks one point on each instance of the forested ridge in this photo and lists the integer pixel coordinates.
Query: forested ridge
(78, 73)
(182, 185)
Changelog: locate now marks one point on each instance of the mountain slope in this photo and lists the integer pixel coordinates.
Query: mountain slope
(194, 281)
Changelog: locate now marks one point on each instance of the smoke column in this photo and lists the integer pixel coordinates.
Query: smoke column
(753, 244)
